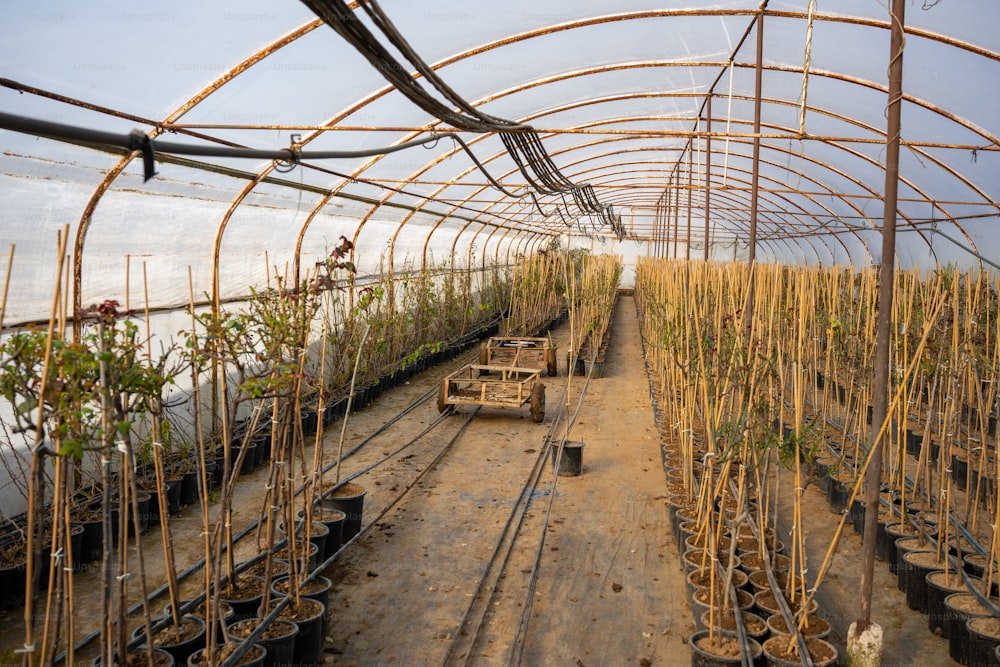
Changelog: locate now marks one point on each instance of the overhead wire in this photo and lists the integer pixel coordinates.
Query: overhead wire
(520, 140)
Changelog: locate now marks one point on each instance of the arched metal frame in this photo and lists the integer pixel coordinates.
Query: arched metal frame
(625, 183)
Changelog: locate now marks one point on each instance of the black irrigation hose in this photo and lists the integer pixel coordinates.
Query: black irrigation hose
(139, 141)
(517, 647)
(518, 512)
(518, 138)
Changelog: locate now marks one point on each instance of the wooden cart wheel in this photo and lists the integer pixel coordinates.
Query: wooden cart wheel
(443, 396)
(550, 362)
(538, 402)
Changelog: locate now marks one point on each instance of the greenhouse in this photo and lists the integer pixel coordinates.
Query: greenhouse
(466, 333)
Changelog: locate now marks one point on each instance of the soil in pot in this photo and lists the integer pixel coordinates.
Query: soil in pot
(278, 638)
(939, 586)
(905, 545)
(349, 499)
(750, 562)
(722, 649)
(307, 554)
(278, 568)
(960, 608)
(984, 638)
(319, 534)
(815, 626)
(317, 589)
(754, 625)
(254, 657)
(702, 600)
(140, 658)
(759, 581)
(244, 595)
(198, 611)
(700, 578)
(179, 642)
(781, 652)
(767, 603)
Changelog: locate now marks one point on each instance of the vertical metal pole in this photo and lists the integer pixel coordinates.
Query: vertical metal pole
(883, 326)
(687, 240)
(755, 177)
(676, 208)
(708, 169)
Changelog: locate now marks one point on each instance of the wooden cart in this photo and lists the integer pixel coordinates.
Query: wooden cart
(520, 352)
(495, 386)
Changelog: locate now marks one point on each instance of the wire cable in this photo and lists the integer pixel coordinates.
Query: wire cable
(521, 141)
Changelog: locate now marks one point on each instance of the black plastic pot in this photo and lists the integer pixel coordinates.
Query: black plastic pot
(959, 471)
(840, 492)
(160, 657)
(92, 541)
(193, 640)
(904, 546)
(937, 591)
(919, 564)
(570, 464)
(12, 583)
(189, 488)
(349, 499)
(280, 642)
(913, 440)
(960, 607)
(249, 461)
(984, 638)
(142, 502)
(173, 497)
(199, 612)
(310, 421)
(218, 471)
(309, 641)
(334, 520)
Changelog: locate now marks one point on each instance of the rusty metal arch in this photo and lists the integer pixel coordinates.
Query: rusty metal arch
(792, 135)
(171, 118)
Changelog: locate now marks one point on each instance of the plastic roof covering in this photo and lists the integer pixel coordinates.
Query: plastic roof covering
(619, 93)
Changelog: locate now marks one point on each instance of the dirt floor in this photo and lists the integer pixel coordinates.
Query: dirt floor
(460, 569)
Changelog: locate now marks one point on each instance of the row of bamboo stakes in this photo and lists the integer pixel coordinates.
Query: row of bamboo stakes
(728, 385)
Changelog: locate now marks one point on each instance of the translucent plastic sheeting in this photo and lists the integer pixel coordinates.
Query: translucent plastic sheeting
(623, 98)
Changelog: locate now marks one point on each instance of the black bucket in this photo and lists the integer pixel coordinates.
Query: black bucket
(571, 462)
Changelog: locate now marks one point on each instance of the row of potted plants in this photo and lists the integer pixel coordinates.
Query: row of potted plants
(266, 377)
(773, 359)
(713, 367)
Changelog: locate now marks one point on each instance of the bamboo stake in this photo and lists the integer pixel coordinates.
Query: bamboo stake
(350, 399)
(166, 536)
(36, 488)
(6, 284)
